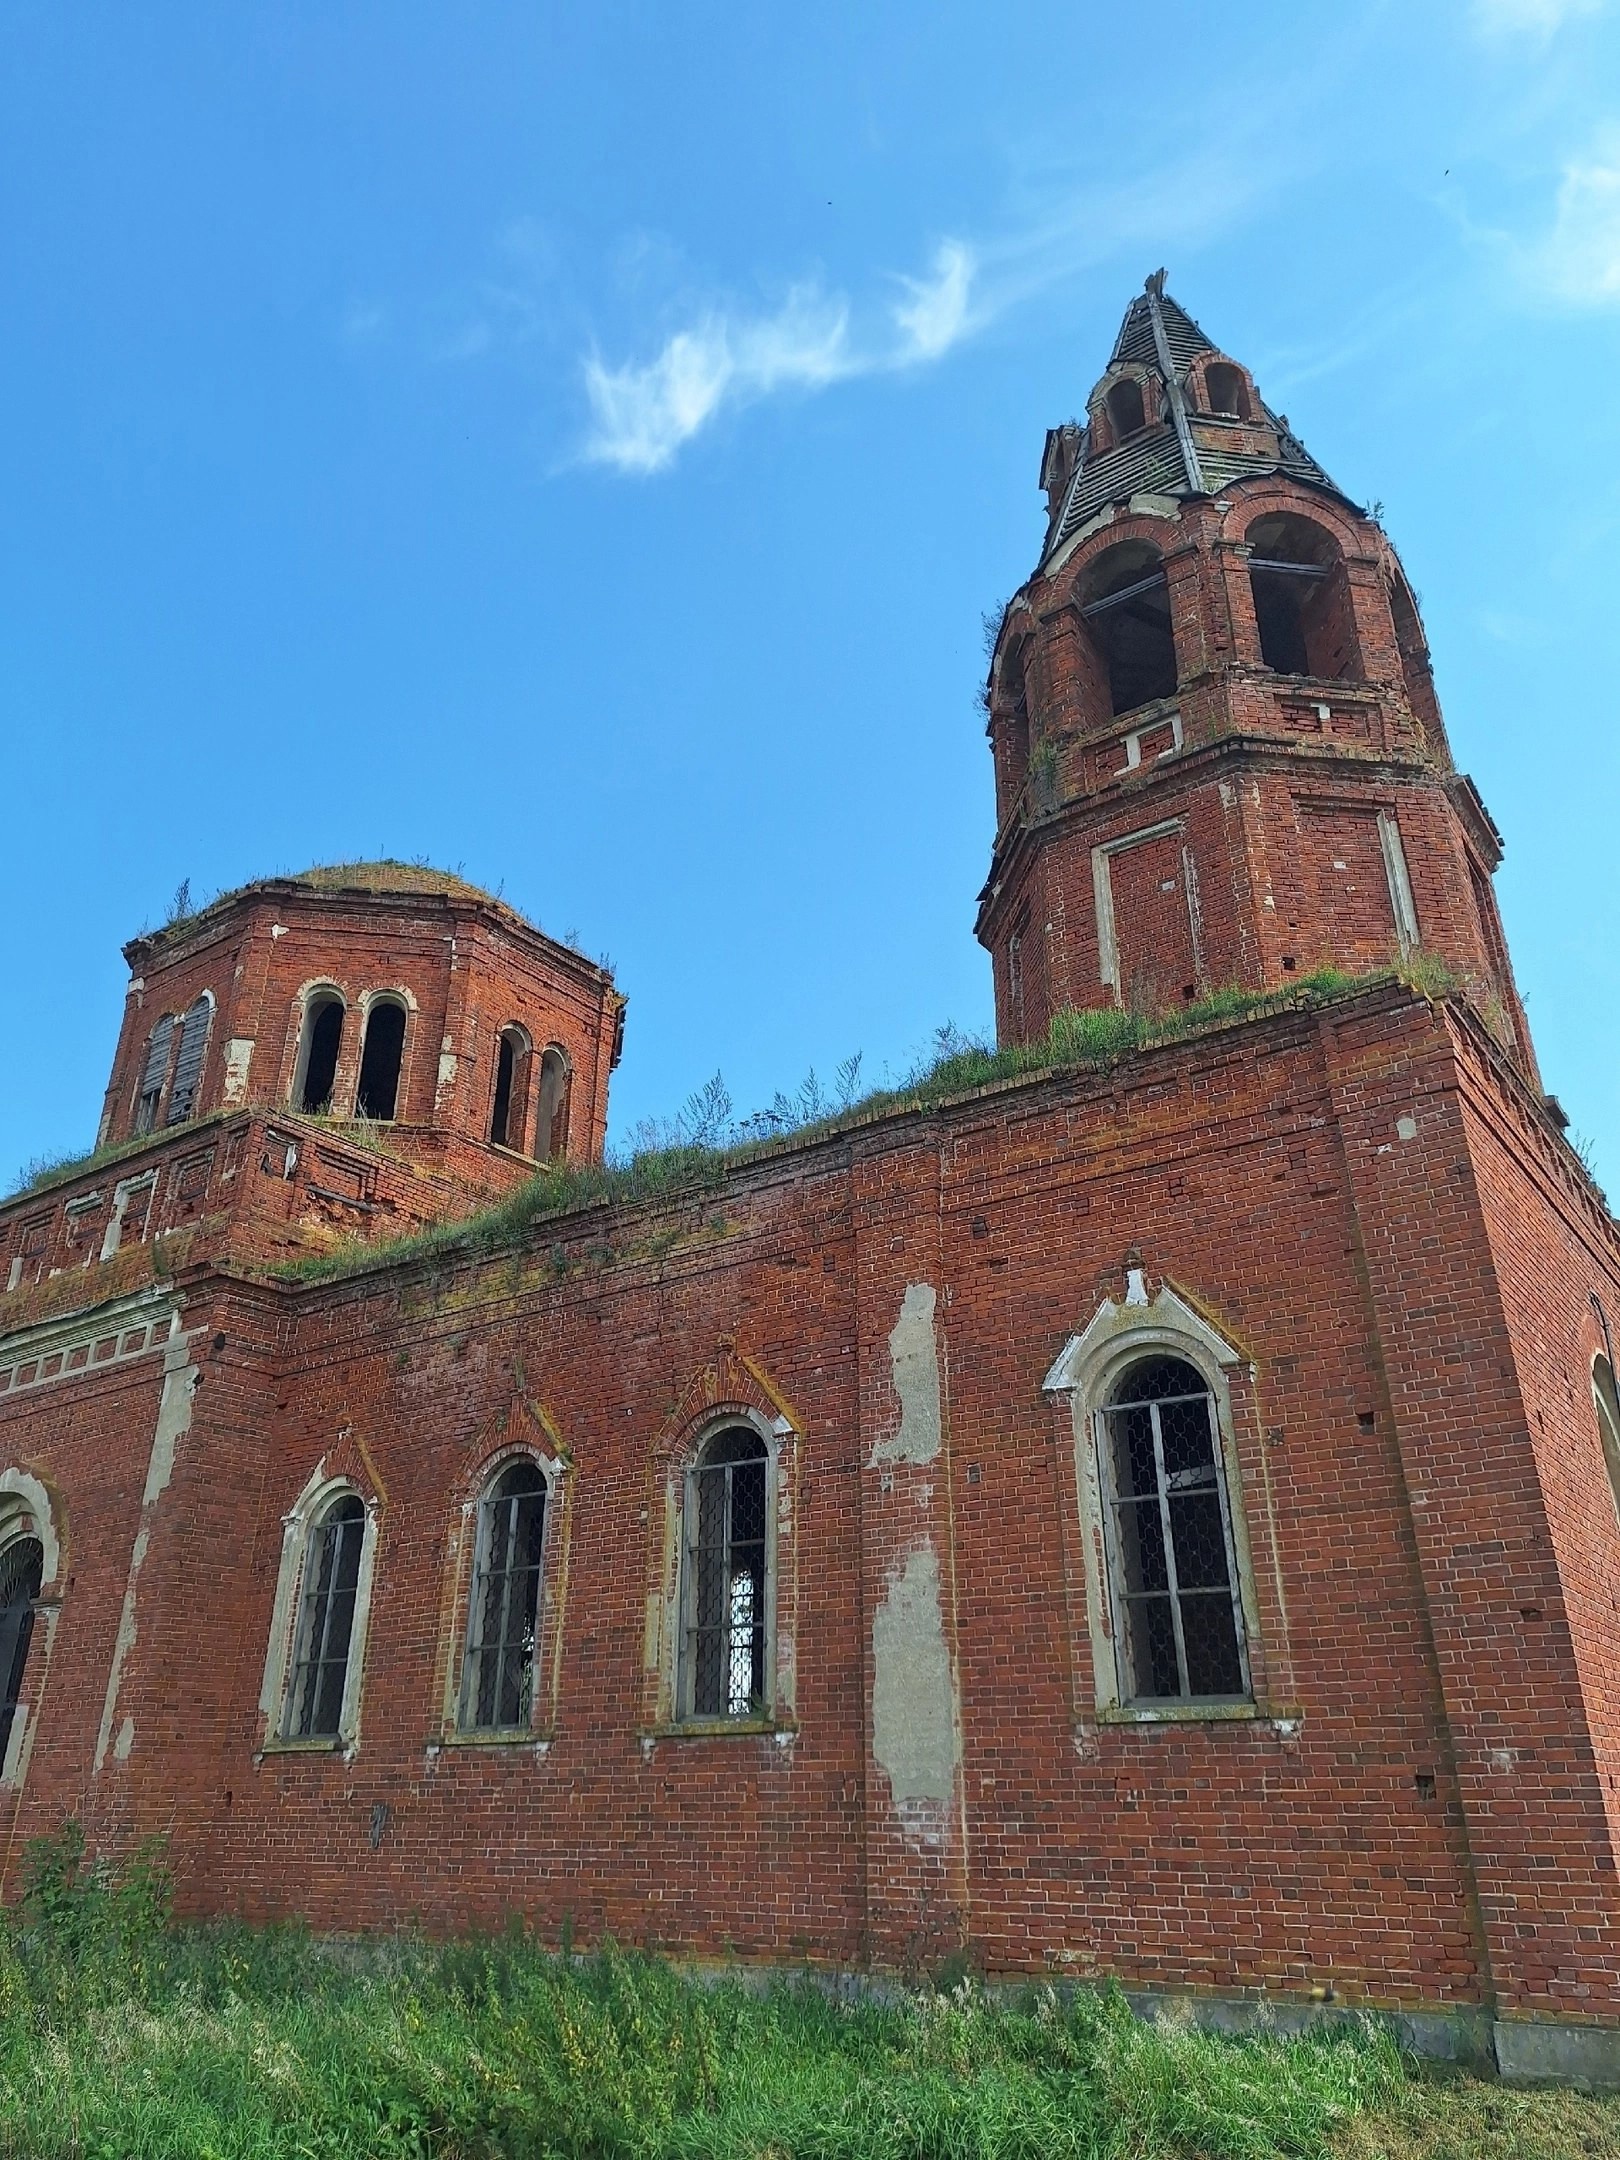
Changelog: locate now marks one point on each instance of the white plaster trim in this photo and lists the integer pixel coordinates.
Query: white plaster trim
(1116, 1330)
(151, 1316)
(1400, 885)
(466, 1556)
(1133, 741)
(319, 1492)
(779, 1654)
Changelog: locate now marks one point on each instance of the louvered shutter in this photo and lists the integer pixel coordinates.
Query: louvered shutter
(152, 1072)
(188, 1064)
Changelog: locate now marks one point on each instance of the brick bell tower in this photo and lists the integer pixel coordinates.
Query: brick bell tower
(1219, 757)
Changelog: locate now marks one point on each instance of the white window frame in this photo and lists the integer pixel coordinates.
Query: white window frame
(1088, 1370)
(298, 1525)
(685, 1676)
(477, 1511)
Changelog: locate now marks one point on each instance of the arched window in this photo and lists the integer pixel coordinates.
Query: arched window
(188, 1062)
(1302, 600)
(1125, 408)
(1171, 1555)
(1126, 605)
(1226, 390)
(154, 1072)
(318, 1049)
(509, 1115)
(318, 1683)
(503, 1614)
(725, 1591)
(381, 1052)
(1607, 1406)
(556, 1085)
(22, 1575)
(1413, 647)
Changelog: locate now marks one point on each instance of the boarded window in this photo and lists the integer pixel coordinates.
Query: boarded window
(1174, 1570)
(497, 1678)
(556, 1084)
(331, 1577)
(188, 1063)
(1344, 871)
(318, 1053)
(381, 1056)
(1153, 902)
(725, 1663)
(22, 1572)
(1126, 605)
(154, 1071)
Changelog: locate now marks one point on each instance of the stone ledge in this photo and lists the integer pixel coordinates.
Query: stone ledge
(1549, 2051)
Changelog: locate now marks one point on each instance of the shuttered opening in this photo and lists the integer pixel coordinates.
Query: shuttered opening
(153, 1074)
(189, 1060)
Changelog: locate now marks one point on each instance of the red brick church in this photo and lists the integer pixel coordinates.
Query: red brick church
(1152, 1517)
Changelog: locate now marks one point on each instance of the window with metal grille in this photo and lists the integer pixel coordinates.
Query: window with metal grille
(503, 1618)
(188, 1061)
(1606, 1403)
(154, 1071)
(22, 1571)
(1171, 1554)
(331, 1575)
(726, 1661)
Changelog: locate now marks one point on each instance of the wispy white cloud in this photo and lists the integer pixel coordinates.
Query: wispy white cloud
(643, 412)
(1538, 19)
(641, 415)
(1577, 260)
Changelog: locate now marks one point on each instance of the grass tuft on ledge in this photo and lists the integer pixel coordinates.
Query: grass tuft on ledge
(692, 1154)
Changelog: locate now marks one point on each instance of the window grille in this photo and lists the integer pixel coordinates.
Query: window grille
(188, 1061)
(153, 1074)
(726, 1628)
(22, 1572)
(326, 1603)
(497, 1676)
(1171, 1552)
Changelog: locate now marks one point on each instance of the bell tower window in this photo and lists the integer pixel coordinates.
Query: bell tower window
(1302, 600)
(1125, 409)
(1126, 605)
(556, 1082)
(1226, 390)
(509, 1117)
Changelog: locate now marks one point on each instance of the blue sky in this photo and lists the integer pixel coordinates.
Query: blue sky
(578, 446)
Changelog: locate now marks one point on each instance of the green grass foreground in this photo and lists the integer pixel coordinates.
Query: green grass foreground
(121, 2036)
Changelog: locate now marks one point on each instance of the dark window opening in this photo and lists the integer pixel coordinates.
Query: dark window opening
(509, 1117)
(323, 1038)
(1127, 610)
(726, 1590)
(497, 1680)
(22, 1572)
(326, 1623)
(188, 1061)
(556, 1085)
(154, 1071)
(380, 1056)
(1302, 600)
(1417, 675)
(1181, 1632)
(1125, 408)
(1228, 393)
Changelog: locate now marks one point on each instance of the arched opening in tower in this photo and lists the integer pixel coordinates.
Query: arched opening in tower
(1126, 605)
(318, 1053)
(1226, 390)
(381, 1056)
(1302, 600)
(509, 1114)
(555, 1087)
(1125, 408)
(1413, 647)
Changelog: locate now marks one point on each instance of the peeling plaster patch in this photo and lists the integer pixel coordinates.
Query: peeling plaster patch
(238, 1056)
(1406, 1128)
(125, 1740)
(173, 1422)
(914, 1362)
(914, 1721)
